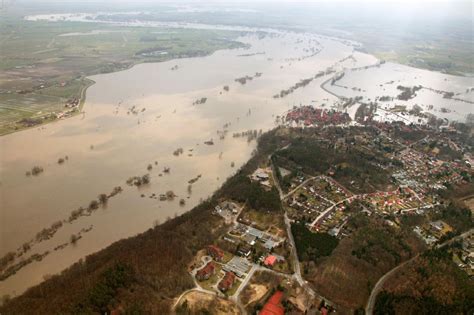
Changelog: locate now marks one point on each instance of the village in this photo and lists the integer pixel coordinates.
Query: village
(255, 243)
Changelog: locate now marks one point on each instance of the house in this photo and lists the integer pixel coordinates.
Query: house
(215, 252)
(260, 175)
(226, 282)
(206, 272)
(270, 244)
(270, 260)
(230, 206)
(255, 232)
(439, 228)
(249, 239)
(244, 250)
(273, 305)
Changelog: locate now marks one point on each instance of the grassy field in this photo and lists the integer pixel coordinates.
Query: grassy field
(445, 54)
(41, 68)
(415, 36)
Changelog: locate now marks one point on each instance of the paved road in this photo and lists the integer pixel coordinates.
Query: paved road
(298, 187)
(456, 238)
(323, 214)
(246, 280)
(296, 264)
(369, 309)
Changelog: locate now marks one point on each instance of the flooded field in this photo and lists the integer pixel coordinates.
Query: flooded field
(376, 82)
(135, 123)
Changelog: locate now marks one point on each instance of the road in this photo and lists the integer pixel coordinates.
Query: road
(297, 187)
(275, 179)
(245, 282)
(296, 260)
(325, 212)
(297, 270)
(456, 238)
(369, 309)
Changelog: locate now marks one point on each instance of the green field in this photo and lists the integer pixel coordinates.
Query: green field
(40, 69)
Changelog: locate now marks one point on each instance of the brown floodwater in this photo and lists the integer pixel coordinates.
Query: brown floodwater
(105, 146)
(108, 144)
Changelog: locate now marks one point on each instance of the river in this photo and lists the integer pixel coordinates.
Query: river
(109, 143)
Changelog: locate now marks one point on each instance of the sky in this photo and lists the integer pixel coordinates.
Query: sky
(451, 2)
(418, 8)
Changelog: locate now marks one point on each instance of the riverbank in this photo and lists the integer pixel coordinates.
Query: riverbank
(53, 66)
(149, 284)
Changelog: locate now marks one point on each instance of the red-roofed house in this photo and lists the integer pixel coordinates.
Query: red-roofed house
(206, 272)
(270, 260)
(227, 282)
(273, 305)
(215, 252)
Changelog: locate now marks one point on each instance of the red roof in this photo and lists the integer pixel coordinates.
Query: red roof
(208, 269)
(270, 260)
(215, 251)
(227, 281)
(273, 306)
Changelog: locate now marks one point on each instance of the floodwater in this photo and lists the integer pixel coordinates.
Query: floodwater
(384, 80)
(108, 144)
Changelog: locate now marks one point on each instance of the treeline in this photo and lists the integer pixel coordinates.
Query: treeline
(373, 240)
(432, 284)
(241, 189)
(457, 215)
(354, 168)
(102, 294)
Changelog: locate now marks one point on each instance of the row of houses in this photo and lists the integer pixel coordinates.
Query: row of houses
(310, 116)
(210, 269)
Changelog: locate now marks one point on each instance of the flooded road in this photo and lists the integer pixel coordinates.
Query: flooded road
(139, 117)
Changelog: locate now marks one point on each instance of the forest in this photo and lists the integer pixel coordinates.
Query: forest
(311, 246)
(352, 167)
(432, 284)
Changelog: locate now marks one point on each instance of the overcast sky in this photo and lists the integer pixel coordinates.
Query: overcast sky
(418, 8)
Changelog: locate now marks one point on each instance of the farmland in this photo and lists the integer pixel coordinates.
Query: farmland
(45, 64)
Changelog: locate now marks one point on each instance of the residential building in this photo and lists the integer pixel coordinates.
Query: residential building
(206, 272)
(227, 282)
(215, 252)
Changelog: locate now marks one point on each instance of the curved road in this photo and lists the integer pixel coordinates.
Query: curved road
(369, 309)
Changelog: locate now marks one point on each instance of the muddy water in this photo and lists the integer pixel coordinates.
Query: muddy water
(106, 145)
(383, 81)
